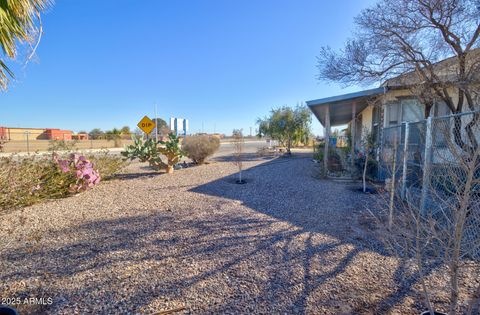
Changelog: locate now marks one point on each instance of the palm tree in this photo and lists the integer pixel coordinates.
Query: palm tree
(20, 23)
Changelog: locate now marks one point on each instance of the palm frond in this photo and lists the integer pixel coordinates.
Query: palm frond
(18, 24)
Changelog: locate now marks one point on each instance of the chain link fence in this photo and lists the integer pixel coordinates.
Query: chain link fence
(37, 141)
(429, 161)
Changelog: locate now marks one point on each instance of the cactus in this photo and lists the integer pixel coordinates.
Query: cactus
(171, 149)
(150, 151)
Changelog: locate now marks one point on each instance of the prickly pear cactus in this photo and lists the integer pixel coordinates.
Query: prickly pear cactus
(171, 149)
(150, 151)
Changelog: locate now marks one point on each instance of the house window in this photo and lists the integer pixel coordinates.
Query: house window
(392, 113)
(412, 110)
(407, 109)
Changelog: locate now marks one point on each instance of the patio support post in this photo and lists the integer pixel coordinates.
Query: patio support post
(327, 140)
(353, 127)
(405, 160)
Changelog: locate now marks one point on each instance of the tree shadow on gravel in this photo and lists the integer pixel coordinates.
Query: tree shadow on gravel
(127, 176)
(246, 157)
(314, 206)
(282, 257)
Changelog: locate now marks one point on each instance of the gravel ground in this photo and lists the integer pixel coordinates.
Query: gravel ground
(195, 241)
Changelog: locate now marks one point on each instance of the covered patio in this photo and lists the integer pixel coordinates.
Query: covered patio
(341, 110)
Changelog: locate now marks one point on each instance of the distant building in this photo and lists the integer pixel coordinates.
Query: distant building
(20, 134)
(80, 136)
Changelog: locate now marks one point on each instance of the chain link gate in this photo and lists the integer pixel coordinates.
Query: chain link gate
(428, 161)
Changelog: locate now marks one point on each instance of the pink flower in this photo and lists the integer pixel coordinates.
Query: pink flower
(64, 165)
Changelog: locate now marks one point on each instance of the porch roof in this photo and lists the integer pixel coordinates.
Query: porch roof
(341, 105)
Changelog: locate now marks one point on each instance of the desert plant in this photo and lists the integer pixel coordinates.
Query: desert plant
(334, 159)
(198, 148)
(150, 151)
(238, 143)
(2, 145)
(28, 180)
(108, 165)
(86, 176)
(171, 149)
(145, 151)
(61, 145)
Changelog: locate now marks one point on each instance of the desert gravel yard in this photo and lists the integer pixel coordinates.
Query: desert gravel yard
(195, 242)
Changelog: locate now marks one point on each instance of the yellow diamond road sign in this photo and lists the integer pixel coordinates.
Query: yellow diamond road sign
(146, 124)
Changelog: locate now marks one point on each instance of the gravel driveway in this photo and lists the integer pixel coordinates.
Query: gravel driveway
(195, 242)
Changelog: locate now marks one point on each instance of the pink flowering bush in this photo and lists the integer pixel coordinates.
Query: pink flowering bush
(82, 169)
(28, 180)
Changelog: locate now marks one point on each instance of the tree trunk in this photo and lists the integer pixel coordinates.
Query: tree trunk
(364, 176)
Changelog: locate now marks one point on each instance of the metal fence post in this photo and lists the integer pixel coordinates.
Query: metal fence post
(427, 162)
(28, 143)
(405, 159)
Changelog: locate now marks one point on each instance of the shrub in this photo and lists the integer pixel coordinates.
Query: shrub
(2, 145)
(198, 148)
(82, 169)
(61, 145)
(28, 180)
(107, 165)
(372, 167)
(25, 181)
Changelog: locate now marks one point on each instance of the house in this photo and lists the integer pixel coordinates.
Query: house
(389, 105)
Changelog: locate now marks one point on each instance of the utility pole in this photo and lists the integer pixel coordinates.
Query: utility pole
(156, 124)
(250, 131)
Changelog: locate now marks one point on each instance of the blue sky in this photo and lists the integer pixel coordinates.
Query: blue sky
(219, 63)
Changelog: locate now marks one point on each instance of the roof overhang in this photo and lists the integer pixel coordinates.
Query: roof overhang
(341, 105)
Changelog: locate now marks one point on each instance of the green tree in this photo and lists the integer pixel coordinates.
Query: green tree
(112, 134)
(160, 123)
(162, 127)
(289, 126)
(125, 130)
(20, 23)
(115, 135)
(96, 134)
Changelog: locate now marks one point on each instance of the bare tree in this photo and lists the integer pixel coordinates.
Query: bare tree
(238, 142)
(368, 142)
(445, 236)
(404, 42)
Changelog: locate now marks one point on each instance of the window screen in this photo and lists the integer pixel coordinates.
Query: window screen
(392, 113)
(412, 110)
